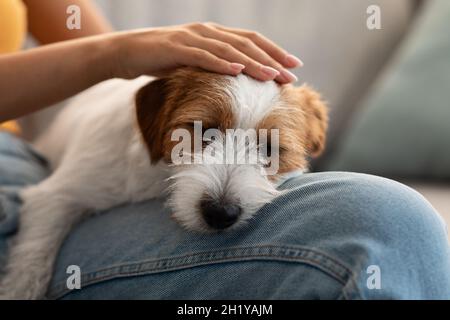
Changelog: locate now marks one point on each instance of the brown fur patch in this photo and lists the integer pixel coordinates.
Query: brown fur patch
(315, 113)
(302, 121)
(186, 96)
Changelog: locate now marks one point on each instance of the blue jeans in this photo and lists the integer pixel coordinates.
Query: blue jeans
(332, 236)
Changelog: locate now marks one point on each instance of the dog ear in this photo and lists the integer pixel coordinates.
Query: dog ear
(150, 101)
(316, 115)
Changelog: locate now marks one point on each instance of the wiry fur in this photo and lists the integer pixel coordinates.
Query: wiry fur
(100, 149)
(239, 183)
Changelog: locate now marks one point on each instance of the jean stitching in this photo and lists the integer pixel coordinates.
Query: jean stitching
(230, 250)
(94, 279)
(319, 260)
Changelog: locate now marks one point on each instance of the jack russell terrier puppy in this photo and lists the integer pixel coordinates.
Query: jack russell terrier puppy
(115, 143)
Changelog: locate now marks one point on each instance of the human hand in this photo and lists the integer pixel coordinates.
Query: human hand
(206, 45)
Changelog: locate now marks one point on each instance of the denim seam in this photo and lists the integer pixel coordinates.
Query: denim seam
(231, 249)
(350, 291)
(315, 258)
(359, 267)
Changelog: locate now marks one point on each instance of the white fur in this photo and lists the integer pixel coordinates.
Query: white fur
(239, 183)
(252, 99)
(99, 161)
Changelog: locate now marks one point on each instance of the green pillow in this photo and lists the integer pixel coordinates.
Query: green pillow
(403, 128)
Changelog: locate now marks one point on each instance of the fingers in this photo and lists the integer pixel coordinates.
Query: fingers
(236, 48)
(268, 46)
(227, 52)
(204, 59)
(253, 46)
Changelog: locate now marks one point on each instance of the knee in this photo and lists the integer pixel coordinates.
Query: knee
(400, 232)
(365, 203)
(363, 220)
(389, 208)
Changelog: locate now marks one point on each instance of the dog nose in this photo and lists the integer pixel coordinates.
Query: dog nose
(220, 216)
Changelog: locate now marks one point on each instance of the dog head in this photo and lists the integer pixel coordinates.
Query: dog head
(233, 131)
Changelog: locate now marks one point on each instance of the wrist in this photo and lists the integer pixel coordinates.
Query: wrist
(112, 55)
(124, 54)
(102, 57)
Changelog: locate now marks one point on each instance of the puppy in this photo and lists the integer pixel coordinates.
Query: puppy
(116, 143)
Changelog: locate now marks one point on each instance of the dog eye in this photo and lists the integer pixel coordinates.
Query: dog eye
(266, 150)
(280, 150)
(206, 143)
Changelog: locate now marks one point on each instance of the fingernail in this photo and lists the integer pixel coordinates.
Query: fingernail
(288, 76)
(270, 72)
(294, 61)
(237, 67)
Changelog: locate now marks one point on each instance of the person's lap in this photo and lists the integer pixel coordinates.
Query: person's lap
(316, 241)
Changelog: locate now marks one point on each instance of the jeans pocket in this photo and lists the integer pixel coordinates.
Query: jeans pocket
(317, 260)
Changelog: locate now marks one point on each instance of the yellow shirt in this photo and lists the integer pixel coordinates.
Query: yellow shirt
(13, 29)
(13, 25)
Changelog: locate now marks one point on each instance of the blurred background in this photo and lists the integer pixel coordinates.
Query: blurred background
(388, 89)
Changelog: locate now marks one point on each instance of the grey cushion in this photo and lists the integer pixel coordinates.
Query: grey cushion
(404, 128)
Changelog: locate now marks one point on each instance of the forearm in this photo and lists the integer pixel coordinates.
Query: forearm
(40, 77)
